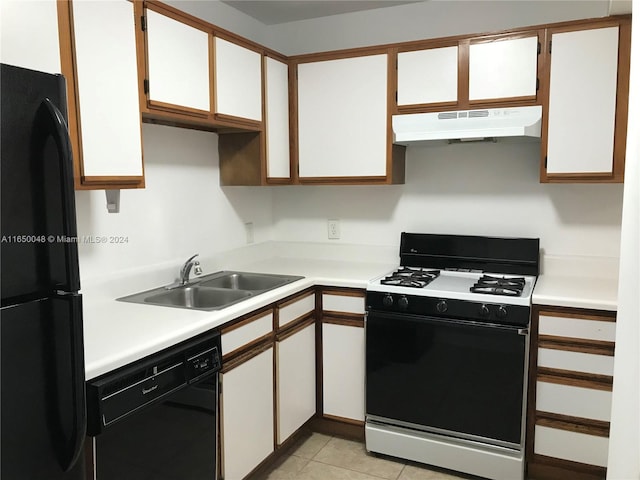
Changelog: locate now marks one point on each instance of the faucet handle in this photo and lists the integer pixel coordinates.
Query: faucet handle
(197, 270)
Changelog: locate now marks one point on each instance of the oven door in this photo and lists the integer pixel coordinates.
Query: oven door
(448, 376)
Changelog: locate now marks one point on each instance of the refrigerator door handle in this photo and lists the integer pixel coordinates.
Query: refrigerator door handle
(63, 143)
(79, 431)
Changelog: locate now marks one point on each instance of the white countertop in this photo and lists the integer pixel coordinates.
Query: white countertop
(117, 333)
(578, 282)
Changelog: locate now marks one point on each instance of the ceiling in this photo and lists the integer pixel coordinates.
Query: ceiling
(271, 12)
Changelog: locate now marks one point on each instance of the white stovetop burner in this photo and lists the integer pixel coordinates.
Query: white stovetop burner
(456, 284)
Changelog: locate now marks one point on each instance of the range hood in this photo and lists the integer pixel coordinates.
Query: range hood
(468, 125)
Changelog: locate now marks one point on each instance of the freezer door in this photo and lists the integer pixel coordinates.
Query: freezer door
(43, 397)
(38, 223)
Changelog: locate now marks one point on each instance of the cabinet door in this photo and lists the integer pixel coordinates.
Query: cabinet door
(582, 101)
(277, 118)
(428, 76)
(343, 371)
(247, 415)
(177, 63)
(296, 381)
(342, 117)
(238, 80)
(108, 104)
(504, 68)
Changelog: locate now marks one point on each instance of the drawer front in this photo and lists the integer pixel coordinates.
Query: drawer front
(583, 328)
(573, 401)
(342, 303)
(244, 334)
(296, 309)
(575, 361)
(573, 446)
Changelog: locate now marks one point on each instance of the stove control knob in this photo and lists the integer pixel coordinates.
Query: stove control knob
(403, 302)
(387, 300)
(484, 310)
(442, 306)
(502, 311)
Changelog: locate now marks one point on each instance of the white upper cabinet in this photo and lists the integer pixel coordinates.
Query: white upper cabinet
(342, 117)
(505, 68)
(582, 101)
(29, 35)
(277, 118)
(178, 63)
(238, 80)
(428, 76)
(107, 90)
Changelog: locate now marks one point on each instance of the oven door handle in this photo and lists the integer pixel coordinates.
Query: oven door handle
(407, 317)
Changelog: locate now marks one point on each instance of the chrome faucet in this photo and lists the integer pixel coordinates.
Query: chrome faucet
(186, 270)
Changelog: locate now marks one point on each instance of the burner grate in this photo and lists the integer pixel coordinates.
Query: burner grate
(499, 286)
(411, 277)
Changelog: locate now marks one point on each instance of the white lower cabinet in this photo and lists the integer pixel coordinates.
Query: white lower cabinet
(343, 371)
(296, 360)
(247, 415)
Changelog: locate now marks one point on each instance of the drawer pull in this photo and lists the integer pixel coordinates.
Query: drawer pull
(148, 390)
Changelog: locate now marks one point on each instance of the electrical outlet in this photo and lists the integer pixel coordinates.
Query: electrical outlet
(333, 229)
(248, 228)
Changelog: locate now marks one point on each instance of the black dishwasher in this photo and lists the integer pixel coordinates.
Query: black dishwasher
(157, 418)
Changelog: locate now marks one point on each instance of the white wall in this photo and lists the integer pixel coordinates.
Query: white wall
(432, 19)
(182, 211)
(29, 34)
(624, 443)
(477, 189)
(224, 16)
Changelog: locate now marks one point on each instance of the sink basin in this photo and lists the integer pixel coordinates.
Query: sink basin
(212, 292)
(246, 281)
(197, 297)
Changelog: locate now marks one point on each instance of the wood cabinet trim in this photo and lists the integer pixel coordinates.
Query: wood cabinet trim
(246, 353)
(172, 108)
(246, 319)
(68, 66)
(344, 420)
(549, 468)
(451, 40)
(296, 297)
(596, 347)
(575, 379)
(176, 14)
(571, 312)
(295, 326)
(573, 424)
(343, 291)
(499, 37)
(344, 319)
(463, 74)
(623, 23)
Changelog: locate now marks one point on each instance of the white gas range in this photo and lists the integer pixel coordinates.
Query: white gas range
(447, 353)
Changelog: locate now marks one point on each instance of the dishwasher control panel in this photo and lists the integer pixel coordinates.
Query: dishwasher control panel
(202, 363)
(141, 384)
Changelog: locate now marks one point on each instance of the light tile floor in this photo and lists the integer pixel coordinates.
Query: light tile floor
(322, 457)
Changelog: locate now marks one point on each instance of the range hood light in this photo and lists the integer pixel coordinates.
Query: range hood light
(473, 140)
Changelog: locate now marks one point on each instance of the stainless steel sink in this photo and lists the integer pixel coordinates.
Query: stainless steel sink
(212, 292)
(197, 297)
(246, 281)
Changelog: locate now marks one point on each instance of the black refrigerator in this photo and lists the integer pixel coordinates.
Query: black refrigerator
(42, 400)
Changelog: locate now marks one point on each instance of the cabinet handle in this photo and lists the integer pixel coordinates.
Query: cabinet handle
(149, 390)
